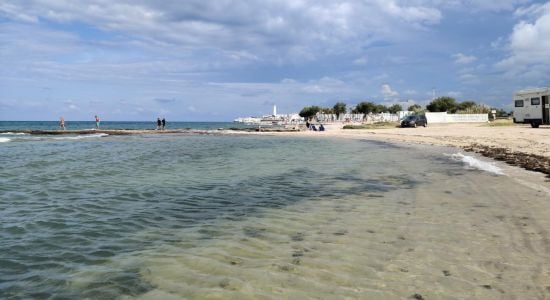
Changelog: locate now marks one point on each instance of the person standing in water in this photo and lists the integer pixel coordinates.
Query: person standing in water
(158, 123)
(163, 123)
(97, 122)
(62, 123)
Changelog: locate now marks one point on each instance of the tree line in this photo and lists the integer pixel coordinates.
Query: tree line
(440, 104)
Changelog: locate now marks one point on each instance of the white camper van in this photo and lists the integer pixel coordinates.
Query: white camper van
(532, 107)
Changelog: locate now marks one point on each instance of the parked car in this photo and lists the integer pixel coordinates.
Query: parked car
(414, 121)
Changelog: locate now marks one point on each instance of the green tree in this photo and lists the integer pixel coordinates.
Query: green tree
(309, 111)
(339, 108)
(326, 110)
(380, 108)
(466, 105)
(395, 108)
(478, 109)
(441, 104)
(414, 107)
(364, 107)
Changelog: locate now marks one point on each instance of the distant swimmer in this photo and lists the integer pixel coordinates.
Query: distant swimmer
(163, 123)
(159, 123)
(97, 122)
(62, 123)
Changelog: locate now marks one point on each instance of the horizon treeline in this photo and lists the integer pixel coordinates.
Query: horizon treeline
(440, 104)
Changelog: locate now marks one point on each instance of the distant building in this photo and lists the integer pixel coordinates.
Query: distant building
(272, 120)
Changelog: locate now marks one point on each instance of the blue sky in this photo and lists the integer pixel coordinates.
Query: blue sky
(201, 60)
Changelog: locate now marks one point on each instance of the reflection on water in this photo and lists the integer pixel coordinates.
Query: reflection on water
(262, 217)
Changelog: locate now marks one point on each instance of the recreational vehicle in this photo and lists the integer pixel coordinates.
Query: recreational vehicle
(532, 107)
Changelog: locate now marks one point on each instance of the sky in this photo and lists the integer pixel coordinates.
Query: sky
(199, 60)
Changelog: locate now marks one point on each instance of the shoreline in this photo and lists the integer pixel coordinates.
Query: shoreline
(516, 145)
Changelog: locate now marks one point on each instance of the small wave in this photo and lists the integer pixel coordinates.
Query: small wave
(12, 133)
(475, 163)
(78, 137)
(4, 140)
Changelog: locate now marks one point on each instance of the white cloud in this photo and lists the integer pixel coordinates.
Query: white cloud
(463, 58)
(500, 5)
(286, 31)
(468, 78)
(324, 85)
(16, 13)
(529, 45)
(233, 54)
(361, 61)
(288, 81)
(476, 5)
(387, 92)
(413, 14)
(70, 105)
(314, 88)
(454, 94)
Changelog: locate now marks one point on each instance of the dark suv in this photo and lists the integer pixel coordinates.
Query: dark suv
(414, 121)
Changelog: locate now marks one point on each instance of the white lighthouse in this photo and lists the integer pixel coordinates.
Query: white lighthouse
(274, 110)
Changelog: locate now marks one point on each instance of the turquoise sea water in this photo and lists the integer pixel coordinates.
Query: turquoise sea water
(81, 125)
(248, 217)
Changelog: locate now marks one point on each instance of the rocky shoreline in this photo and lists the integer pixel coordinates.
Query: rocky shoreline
(531, 162)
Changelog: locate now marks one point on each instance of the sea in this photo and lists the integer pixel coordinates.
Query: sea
(135, 125)
(231, 216)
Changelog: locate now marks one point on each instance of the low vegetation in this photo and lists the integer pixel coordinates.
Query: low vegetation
(500, 122)
(381, 125)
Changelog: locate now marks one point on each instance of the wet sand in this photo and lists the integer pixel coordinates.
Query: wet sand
(444, 241)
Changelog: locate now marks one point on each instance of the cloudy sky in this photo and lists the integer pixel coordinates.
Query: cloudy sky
(216, 60)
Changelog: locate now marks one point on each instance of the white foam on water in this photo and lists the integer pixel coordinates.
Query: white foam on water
(4, 140)
(83, 136)
(475, 163)
(12, 133)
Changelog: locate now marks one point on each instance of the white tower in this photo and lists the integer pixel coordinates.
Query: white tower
(275, 110)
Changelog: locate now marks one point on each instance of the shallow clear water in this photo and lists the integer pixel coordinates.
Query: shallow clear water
(193, 216)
